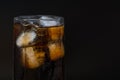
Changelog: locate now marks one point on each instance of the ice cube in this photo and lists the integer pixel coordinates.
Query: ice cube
(46, 17)
(25, 38)
(48, 21)
(56, 50)
(34, 58)
(56, 33)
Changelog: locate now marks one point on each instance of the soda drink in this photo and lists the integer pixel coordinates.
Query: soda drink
(38, 47)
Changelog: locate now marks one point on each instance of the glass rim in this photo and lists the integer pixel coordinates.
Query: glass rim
(38, 17)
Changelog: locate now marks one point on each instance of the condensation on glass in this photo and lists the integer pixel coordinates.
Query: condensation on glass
(38, 47)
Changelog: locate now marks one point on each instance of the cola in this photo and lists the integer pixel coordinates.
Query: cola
(38, 48)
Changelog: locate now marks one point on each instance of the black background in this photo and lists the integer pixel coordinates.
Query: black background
(91, 36)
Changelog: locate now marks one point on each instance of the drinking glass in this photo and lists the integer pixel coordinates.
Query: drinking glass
(38, 47)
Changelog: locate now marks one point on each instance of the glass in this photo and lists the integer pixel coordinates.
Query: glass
(38, 47)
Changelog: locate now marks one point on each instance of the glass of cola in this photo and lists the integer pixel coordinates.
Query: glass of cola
(38, 47)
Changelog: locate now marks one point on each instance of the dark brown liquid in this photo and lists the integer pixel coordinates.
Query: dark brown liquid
(42, 58)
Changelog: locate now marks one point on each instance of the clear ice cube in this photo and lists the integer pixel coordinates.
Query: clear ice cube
(25, 38)
(46, 21)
